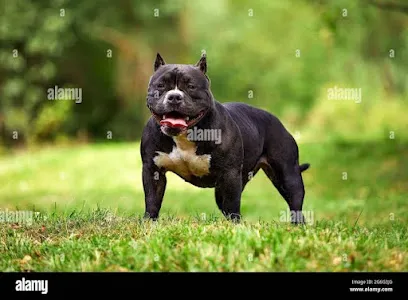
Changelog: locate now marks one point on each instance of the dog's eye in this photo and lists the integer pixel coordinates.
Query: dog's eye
(191, 87)
(160, 85)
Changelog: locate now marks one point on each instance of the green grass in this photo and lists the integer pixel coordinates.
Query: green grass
(90, 202)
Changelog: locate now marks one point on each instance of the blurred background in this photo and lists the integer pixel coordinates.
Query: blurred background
(282, 56)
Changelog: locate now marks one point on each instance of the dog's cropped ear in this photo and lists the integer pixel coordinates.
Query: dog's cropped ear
(202, 63)
(158, 62)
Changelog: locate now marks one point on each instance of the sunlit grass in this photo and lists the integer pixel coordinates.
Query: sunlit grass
(90, 200)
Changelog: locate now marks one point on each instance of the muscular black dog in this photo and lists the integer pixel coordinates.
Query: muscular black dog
(213, 145)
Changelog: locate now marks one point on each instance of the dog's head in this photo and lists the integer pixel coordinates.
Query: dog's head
(179, 95)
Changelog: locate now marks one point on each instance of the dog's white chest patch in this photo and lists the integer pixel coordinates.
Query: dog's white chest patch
(183, 159)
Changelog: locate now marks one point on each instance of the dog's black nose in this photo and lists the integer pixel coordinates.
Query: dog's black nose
(174, 97)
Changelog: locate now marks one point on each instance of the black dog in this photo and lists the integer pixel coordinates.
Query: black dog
(213, 145)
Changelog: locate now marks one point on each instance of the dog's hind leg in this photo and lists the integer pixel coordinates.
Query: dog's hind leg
(288, 181)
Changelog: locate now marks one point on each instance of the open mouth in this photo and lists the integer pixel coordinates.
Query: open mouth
(175, 119)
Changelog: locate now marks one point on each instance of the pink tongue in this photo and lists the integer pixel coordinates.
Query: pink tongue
(172, 122)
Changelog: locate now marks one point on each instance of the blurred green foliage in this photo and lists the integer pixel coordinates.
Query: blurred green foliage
(282, 56)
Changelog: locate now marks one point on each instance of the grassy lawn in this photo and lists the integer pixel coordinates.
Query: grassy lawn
(90, 202)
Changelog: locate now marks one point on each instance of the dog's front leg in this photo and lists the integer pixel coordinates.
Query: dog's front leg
(228, 191)
(154, 185)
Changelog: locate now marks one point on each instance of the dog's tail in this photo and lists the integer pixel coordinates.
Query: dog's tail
(304, 167)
